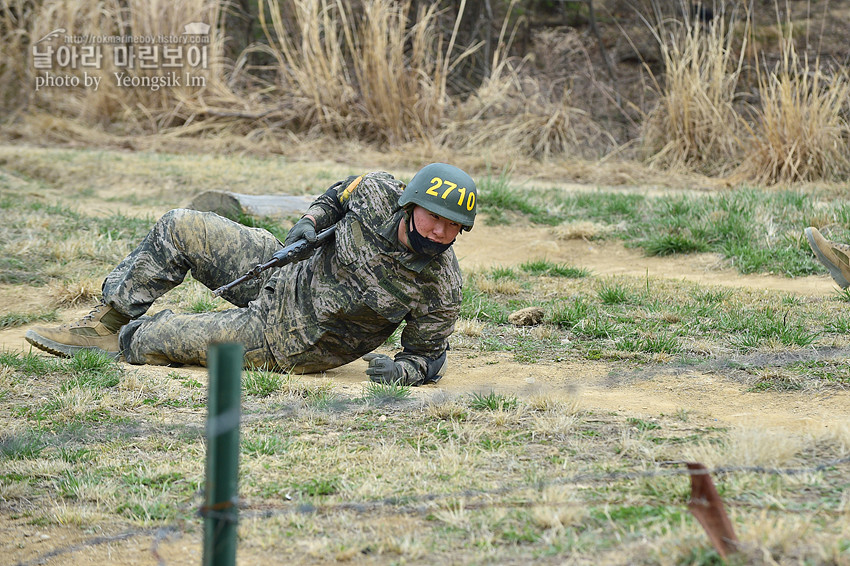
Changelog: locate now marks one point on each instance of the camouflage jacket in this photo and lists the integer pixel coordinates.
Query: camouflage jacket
(349, 297)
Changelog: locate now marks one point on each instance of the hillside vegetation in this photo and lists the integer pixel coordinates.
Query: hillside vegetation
(757, 92)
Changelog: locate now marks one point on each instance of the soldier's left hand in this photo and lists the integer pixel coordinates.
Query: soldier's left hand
(383, 369)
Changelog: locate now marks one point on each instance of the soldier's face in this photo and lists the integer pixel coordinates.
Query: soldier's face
(435, 227)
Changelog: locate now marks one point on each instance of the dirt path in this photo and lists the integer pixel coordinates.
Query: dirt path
(596, 383)
(485, 247)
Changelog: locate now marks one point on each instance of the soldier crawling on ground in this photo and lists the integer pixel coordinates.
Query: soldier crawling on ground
(391, 261)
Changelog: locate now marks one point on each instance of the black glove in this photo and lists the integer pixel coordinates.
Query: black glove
(304, 228)
(383, 369)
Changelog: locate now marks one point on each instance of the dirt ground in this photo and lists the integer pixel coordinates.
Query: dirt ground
(599, 385)
(596, 382)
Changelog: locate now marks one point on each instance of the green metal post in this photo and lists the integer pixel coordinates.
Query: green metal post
(220, 512)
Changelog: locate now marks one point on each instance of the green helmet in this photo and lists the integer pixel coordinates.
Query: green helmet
(444, 190)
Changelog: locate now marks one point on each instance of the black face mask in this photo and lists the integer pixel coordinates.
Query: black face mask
(423, 245)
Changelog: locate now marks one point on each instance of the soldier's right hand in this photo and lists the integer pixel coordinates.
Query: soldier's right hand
(304, 228)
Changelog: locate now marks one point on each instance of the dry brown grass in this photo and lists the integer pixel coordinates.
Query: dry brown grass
(379, 72)
(469, 327)
(74, 293)
(753, 446)
(379, 76)
(796, 131)
(129, 110)
(696, 124)
(498, 286)
(581, 230)
(516, 110)
(801, 132)
(13, 42)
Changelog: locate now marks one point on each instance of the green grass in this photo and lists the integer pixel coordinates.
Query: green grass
(660, 343)
(394, 339)
(544, 267)
(614, 293)
(40, 239)
(322, 397)
(842, 295)
(121, 227)
(753, 329)
(12, 320)
(22, 446)
(528, 350)
(263, 445)
(838, 325)
(475, 476)
(30, 364)
(479, 306)
(492, 401)
(204, 304)
(638, 320)
(86, 368)
(642, 424)
(730, 223)
(827, 371)
(497, 197)
(674, 243)
(709, 296)
(269, 224)
(383, 393)
(316, 487)
(259, 383)
(91, 369)
(569, 314)
(497, 273)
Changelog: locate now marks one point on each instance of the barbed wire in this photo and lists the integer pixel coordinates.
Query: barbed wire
(404, 502)
(419, 504)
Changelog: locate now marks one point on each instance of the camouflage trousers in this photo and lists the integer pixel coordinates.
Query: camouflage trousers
(216, 251)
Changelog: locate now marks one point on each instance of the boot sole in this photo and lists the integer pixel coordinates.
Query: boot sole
(833, 269)
(62, 350)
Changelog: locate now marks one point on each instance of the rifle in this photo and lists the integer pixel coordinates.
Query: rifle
(294, 252)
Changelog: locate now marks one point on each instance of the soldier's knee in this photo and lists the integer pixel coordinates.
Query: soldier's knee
(184, 228)
(178, 217)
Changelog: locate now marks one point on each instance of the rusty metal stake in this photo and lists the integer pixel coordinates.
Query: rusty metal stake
(707, 507)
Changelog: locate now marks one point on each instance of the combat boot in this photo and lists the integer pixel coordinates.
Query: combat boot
(836, 257)
(98, 330)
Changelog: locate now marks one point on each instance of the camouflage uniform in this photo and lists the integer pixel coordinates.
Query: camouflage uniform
(341, 303)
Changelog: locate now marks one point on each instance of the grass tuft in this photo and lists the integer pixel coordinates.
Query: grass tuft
(260, 383)
(669, 244)
(22, 446)
(544, 267)
(801, 127)
(695, 123)
(385, 393)
(492, 401)
(30, 364)
(14, 319)
(614, 293)
(571, 313)
(93, 370)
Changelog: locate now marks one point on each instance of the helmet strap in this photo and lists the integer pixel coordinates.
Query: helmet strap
(421, 244)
